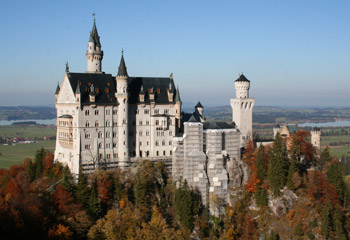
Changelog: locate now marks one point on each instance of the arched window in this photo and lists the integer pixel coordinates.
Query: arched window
(108, 123)
(157, 122)
(147, 133)
(87, 124)
(163, 142)
(100, 145)
(170, 143)
(97, 124)
(114, 134)
(100, 135)
(157, 143)
(108, 134)
(163, 153)
(157, 153)
(87, 135)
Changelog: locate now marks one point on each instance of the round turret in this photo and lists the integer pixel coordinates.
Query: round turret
(242, 85)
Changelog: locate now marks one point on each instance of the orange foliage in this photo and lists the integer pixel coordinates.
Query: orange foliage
(105, 189)
(249, 228)
(48, 161)
(64, 202)
(320, 188)
(60, 232)
(253, 180)
(306, 147)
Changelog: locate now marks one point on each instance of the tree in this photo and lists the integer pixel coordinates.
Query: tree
(325, 222)
(335, 177)
(82, 192)
(325, 157)
(39, 156)
(278, 166)
(184, 205)
(294, 167)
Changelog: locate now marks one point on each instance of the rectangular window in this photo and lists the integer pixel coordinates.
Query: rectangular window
(146, 111)
(108, 112)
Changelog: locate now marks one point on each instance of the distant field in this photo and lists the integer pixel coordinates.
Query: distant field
(10, 154)
(35, 131)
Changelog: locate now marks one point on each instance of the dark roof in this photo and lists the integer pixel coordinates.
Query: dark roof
(57, 89)
(177, 95)
(94, 36)
(159, 85)
(186, 116)
(65, 116)
(122, 68)
(219, 125)
(199, 105)
(242, 78)
(192, 119)
(104, 85)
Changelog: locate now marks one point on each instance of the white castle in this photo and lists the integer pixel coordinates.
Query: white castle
(106, 121)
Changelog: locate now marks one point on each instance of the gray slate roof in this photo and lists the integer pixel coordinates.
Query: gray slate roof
(94, 36)
(122, 68)
(242, 78)
(105, 88)
(219, 125)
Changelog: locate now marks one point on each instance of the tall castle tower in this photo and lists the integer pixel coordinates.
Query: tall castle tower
(242, 109)
(123, 99)
(316, 140)
(94, 54)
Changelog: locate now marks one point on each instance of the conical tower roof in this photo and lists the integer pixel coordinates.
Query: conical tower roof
(177, 96)
(199, 105)
(242, 78)
(122, 68)
(57, 88)
(94, 36)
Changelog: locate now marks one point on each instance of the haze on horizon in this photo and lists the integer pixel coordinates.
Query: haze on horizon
(296, 53)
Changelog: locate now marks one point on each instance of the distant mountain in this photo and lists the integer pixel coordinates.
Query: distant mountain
(27, 112)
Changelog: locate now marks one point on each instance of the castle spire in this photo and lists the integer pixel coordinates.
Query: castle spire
(122, 67)
(177, 96)
(94, 54)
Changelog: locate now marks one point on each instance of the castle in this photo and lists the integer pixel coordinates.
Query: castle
(113, 121)
(106, 121)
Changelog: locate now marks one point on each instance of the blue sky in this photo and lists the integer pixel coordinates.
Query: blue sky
(296, 53)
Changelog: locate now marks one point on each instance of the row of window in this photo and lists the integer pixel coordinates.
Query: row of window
(65, 135)
(108, 111)
(65, 123)
(132, 154)
(97, 112)
(109, 124)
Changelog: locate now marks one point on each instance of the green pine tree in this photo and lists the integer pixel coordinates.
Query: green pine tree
(183, 205)
(38, 163)
(325, 157)
(31, 171)
(278, 166)
(94, 208)
(82, 193)
(294, 166)
(335, 177)
(325, 222)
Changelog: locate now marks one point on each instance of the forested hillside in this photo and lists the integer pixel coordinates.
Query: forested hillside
(290, 194)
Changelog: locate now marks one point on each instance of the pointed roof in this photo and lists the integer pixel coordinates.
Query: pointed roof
(199, 105)
(177, 96)
(122, 68)
(192, 119)
(58, 88)
(94, 36)
(77, 91)
(242, 78)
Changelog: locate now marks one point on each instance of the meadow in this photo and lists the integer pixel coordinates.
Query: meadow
(14, 154)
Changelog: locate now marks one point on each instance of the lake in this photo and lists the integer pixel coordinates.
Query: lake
(326, 124)
(47, 121)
